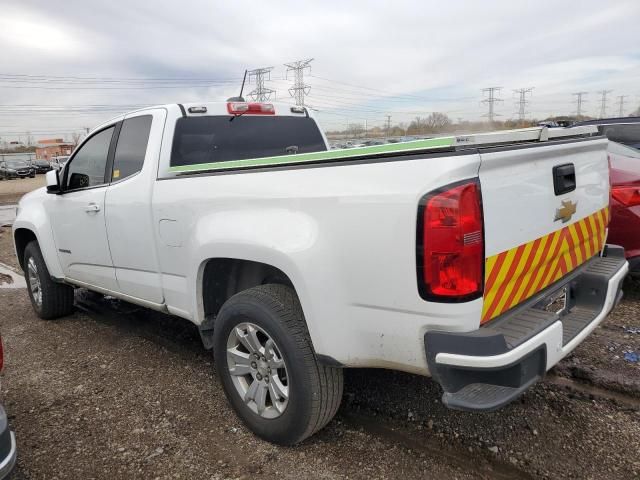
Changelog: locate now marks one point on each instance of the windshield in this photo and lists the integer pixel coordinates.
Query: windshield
(217, 139)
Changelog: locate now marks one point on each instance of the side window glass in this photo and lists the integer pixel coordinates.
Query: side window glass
(88, 166)
(132, 147)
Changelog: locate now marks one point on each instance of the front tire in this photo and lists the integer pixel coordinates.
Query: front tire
(49, 299)
(268, 368)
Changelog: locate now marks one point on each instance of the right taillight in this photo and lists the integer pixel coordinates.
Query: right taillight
(450, 243)
(626, 195)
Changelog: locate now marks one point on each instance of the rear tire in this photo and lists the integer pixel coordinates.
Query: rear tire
(49, 299)
(314, 391)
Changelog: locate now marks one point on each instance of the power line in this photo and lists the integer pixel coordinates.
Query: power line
(40, 78)
(359, 88)
(261, 93)
(603, 102)
(491, 100)
(579, 101)
(621, 105)
(522, 102)
(299, 89)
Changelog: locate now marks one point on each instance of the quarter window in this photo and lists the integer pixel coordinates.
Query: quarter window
(87, 168)
(132, 147)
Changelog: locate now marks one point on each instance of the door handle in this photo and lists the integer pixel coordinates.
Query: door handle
(92, 208)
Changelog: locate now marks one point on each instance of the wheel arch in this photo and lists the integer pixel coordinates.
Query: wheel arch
(220, 278)
(21, 238)
(25, 232)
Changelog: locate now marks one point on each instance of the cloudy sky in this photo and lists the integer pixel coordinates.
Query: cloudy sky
(74, 63)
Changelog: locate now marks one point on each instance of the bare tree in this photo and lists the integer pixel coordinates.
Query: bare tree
(437, 122)
(75, 138)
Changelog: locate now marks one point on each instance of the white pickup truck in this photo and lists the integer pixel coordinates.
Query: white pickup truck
(479, 260)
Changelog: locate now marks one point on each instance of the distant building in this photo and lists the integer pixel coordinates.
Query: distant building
(53, 147)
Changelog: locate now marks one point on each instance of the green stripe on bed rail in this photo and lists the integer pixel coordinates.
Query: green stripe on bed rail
(319, 156)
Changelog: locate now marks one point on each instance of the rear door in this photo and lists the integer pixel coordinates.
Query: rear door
(545, 212)
(129, 220)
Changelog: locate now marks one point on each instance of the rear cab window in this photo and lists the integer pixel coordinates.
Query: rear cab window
(214, 139)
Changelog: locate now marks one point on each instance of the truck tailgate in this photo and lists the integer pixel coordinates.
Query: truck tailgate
(538, 228)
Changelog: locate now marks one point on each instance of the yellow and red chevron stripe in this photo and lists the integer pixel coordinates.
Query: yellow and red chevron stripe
(519, 273)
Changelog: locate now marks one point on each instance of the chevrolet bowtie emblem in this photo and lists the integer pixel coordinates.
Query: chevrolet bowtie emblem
(565, 212)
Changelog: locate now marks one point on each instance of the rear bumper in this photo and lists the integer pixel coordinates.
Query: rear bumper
(490, 367)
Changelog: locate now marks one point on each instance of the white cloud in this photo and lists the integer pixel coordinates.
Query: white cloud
(445, 52)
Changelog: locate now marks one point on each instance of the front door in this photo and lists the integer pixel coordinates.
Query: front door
(77, 214)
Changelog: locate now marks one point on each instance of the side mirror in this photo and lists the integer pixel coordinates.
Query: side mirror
(53, 182)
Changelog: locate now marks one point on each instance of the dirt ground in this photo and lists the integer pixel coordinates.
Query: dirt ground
(12, 190)
(114, 391)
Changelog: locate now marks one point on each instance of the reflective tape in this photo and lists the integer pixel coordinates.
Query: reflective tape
(515, 275)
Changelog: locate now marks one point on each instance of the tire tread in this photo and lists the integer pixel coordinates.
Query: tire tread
(326, 381)
(57, 298)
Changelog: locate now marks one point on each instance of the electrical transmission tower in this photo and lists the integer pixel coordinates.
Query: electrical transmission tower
(261, 93)
(299, 89)
(579, 102)
(388, 124)
(491, 100)
(621, 105)
(522, 102)
(603, 102)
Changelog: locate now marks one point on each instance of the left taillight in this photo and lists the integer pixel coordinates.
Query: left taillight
(629, 196)
(450, 243)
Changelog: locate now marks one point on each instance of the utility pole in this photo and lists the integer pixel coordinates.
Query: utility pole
(621, 105)
(388, 124)
(522, 102)
(299, 89)
(491, 100)
(603, 102)
(261, 93)
(579, 102)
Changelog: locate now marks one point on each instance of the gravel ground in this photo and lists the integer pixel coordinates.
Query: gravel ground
(114, 391)
(12, 190)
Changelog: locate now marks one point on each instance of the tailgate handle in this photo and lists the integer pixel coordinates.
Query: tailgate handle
(564, 178)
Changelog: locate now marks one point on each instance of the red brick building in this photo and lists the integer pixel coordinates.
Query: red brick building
(53, 147)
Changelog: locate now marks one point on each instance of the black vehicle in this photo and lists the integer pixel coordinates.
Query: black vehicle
(624, 130)
(16, 169)
(41, 166)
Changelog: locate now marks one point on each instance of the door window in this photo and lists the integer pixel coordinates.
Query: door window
(132, 147)
(87, 168)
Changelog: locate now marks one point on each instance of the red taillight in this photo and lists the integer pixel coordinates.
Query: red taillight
(242, 108)
(451, 243)
(626, 195)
